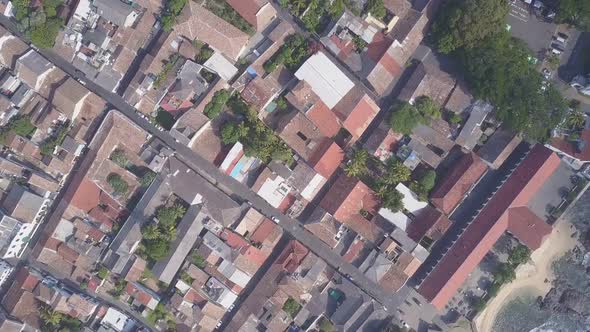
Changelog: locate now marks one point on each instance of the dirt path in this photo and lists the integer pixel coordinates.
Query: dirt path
(530, 276)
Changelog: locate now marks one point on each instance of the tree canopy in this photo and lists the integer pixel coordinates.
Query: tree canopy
(574, 12)
(404, 118)
(357, 165)
(466, 23)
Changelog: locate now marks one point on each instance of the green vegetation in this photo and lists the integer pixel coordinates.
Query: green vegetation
(359, 43)
(218, 101)
(165, 119)
(171, 11)
(120, 186)
(147, 179)
(186, 277)
(405, 116)
(281, 103)
(376, 8)
(424, 185)
(102, 273)
(574, 12)
(315, 14)
(390, 327)
(160, 313)
(119, 157)
(292, 54)
(55, 321)
(357, 166)
(291, 307)
(204, 53)
(40, 24)
(553, 61)
(575, 119)
(258, 140)
(20, 125)
(48, 146)
(222, 9)
(157, 236)
(395, 172)
(467, 24)
(325, 325)
(198, 260)
(455, 118)
(497, 66)
(118, 289)
(168, 66)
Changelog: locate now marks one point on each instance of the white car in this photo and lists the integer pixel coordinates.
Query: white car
(275, 219)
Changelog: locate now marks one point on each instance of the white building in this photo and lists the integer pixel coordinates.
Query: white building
(117, 321)
(5, 271)
(14, 236)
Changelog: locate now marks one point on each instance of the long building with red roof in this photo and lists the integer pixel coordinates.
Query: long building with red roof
(507, 210)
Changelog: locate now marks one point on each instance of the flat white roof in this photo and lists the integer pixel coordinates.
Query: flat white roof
(410, 200)
(219, 64)
(325, 79)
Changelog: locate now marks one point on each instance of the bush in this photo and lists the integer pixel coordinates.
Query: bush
(43, 36)
(48, 146)
(215, 106)
(120, 186)
(204, 54)
(293, 53)
(376, 8)
(325, 325)
(22, 125)
(119, 157)
(291, 307)
(199, 261)
(102, 273)
(147, 179)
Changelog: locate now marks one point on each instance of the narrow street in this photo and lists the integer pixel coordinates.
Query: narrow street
(226, 183)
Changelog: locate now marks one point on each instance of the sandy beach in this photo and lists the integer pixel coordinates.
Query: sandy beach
(530, 277)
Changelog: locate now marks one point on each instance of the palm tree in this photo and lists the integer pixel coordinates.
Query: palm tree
(396, 172)
(357, 165)
(576, 119)
(50, 316)
(151, 232)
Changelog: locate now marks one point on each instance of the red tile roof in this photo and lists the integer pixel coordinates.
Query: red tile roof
(361, 116)
(571, 149)
(67, 253)
(263, 231)
(328, 161)
(323, 118)
(344, 201)
(87, 195)
(249, 9)
(451, 190)
(233, 239)
(292, 256)
(500, 214)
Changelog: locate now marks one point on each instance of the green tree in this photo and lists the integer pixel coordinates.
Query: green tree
(204, 54)
(312, 16)
(466, 24)
(504, 274)
(390, 197)
(49, 316)
(281, 103)
(405, 118)
(119, 157)
(428, 180)
(102, 273)
(520, 254)
(120, 186)
(427, 107)
(215, 106)
(357, 165)
(151, 232)
(337, 9)
(576, 119)
(574, 12)
(233, 132)
(395, 173)
(156, 249)
(375, 8)
(43, 36)
(147, 178)
(169, 215)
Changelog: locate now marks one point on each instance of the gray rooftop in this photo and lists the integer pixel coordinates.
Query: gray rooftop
(217, 246)
(188, 230)
(471, 131)
(114, 11)
(35, 62)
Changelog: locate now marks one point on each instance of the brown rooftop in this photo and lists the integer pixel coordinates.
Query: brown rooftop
(452, 188)
(505, 211)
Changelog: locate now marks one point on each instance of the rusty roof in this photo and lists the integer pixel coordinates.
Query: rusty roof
(578, 150)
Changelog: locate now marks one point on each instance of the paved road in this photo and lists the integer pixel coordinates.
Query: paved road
(226, 183)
